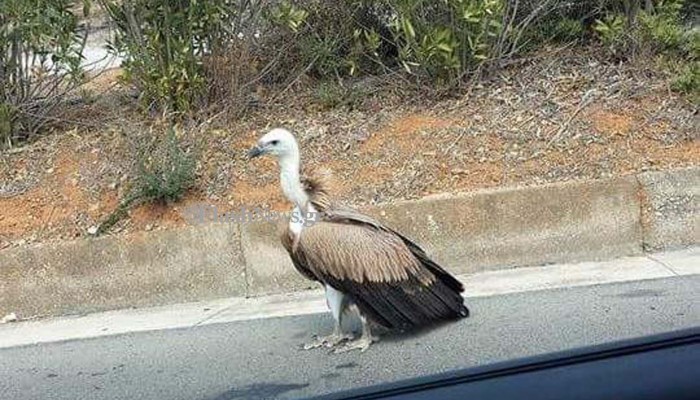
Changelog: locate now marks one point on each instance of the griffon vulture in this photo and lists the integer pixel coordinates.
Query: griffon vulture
(361, 263)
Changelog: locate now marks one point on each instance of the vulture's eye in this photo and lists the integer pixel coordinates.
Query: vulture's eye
(274, 142)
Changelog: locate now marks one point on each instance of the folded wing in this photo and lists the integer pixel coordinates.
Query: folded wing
(387, 276)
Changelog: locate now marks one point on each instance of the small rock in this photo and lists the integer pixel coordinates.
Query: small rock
(92, 230)
(11, 317)
(149, 227)
(50, 171)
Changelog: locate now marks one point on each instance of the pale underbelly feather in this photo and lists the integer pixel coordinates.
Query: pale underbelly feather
(335, 300)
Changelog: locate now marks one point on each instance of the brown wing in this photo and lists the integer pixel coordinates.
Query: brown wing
(389, 278)
(350, 216)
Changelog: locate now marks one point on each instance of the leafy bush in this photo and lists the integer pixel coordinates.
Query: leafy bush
(688, 81)
(611, 30)
(186, 54)
(40, 53)
(443, 40)
(330, 94)
(324, 36)
(649, 31)
(662, 29)
(165, 171)
(554, 29)
(162, 43)
(566, 30)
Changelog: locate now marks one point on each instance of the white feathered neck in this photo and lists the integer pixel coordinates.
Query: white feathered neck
(290, 178)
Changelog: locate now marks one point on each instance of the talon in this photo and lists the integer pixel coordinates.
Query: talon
(361, 344)
(327, 341)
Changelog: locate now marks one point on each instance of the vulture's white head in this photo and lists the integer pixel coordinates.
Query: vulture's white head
(278, 142)
(281, 144)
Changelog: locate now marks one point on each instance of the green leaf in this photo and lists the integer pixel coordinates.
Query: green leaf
(87, 4)
(408, 28)
(445, 47)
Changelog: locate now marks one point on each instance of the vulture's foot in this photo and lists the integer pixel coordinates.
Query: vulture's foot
(361, 344)
(331, 340)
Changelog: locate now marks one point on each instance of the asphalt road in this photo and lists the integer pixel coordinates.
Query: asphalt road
(260, 359)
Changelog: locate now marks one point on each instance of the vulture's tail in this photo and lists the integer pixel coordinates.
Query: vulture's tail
(412, 303)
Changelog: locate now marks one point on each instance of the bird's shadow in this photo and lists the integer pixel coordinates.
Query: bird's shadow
(413, 333)
(258, 391)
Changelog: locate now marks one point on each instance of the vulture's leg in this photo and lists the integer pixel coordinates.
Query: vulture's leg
(363, 342)
(338, 304)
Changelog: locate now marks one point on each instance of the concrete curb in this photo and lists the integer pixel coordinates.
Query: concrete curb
(480, 231)
(670, 208)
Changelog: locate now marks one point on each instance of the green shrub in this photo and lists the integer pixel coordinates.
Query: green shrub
(288, 14)
(163, 43)
(688, 81)
(691, 44)
(322, 35)
(329, 94)
(40, 53)
(323, 54)
(185, 53)
(567, 30)
(164, 173)
(554, 30)
(662, 29)
(443, 40)
(436, 42)
(611, 30)
(658, 30)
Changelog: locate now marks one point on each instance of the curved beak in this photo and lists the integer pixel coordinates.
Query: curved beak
(255, 152)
